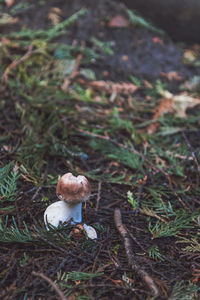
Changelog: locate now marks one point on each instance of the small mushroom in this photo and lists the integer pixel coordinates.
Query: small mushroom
(71, 191)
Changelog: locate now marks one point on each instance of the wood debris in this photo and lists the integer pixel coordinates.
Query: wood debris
(124, 88)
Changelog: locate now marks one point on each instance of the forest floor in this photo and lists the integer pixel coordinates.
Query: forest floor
(94, 89)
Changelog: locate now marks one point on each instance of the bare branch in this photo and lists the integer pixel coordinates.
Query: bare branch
(131, 256)
(54, 286)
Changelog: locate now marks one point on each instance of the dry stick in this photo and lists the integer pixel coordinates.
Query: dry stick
(74, 73)
(54, 286)
(17, 62)
(98, 195)
(130, 255)
(107, 138)
(192, 152)
(193, 156)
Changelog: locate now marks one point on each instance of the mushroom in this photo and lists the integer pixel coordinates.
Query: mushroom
(90, 231)
(71, 191)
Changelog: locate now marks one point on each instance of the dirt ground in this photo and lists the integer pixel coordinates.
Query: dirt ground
(138, 53)
(147, 58)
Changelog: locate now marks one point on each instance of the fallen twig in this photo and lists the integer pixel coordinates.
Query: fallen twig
(54, 286)
(17, 62)
(130, 255)
(192, 152)
(125, 88)
(98, 196)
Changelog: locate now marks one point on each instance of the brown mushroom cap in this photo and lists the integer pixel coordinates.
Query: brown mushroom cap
(72, 189)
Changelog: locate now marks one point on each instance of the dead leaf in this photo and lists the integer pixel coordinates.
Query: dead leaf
(113, 87)
(147, 84)
(54, 15)
(173, 75)
(6, 148)
(189, 56)
(6, 19)
(164, 106)
(6, 41)
(177, 104)
(16, 168)
(118, 22)
(9, 3)
(125, 57)
(160, 161)
(180, 103)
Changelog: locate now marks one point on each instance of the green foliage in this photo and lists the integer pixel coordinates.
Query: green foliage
(103, 46)
(139, 21)
(15, 8)
(8, 183)
(117, 124)
(123, 156)
(116, 249)
(192, 242)
(47, 35)
(159, 199)
(131, 200)
(172, 228)
(66, 280)
(181, 291)
(135, 80)
(62, 51)
(155, 253)
(11, 233)
(24, 260)
(111, 178)
(76, 276)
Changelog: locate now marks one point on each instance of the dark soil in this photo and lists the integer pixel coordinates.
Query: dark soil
(146, 58)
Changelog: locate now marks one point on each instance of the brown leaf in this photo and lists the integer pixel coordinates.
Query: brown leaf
(6, 41)
(118, 22)
(173, 75)
(54, 15)
(6, 19)
(9, 3)
(180, 103)
(113, 87)
(177, 104)
(189, 55)
(164, 106)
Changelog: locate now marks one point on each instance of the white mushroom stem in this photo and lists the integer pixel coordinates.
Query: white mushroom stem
(60, 212)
